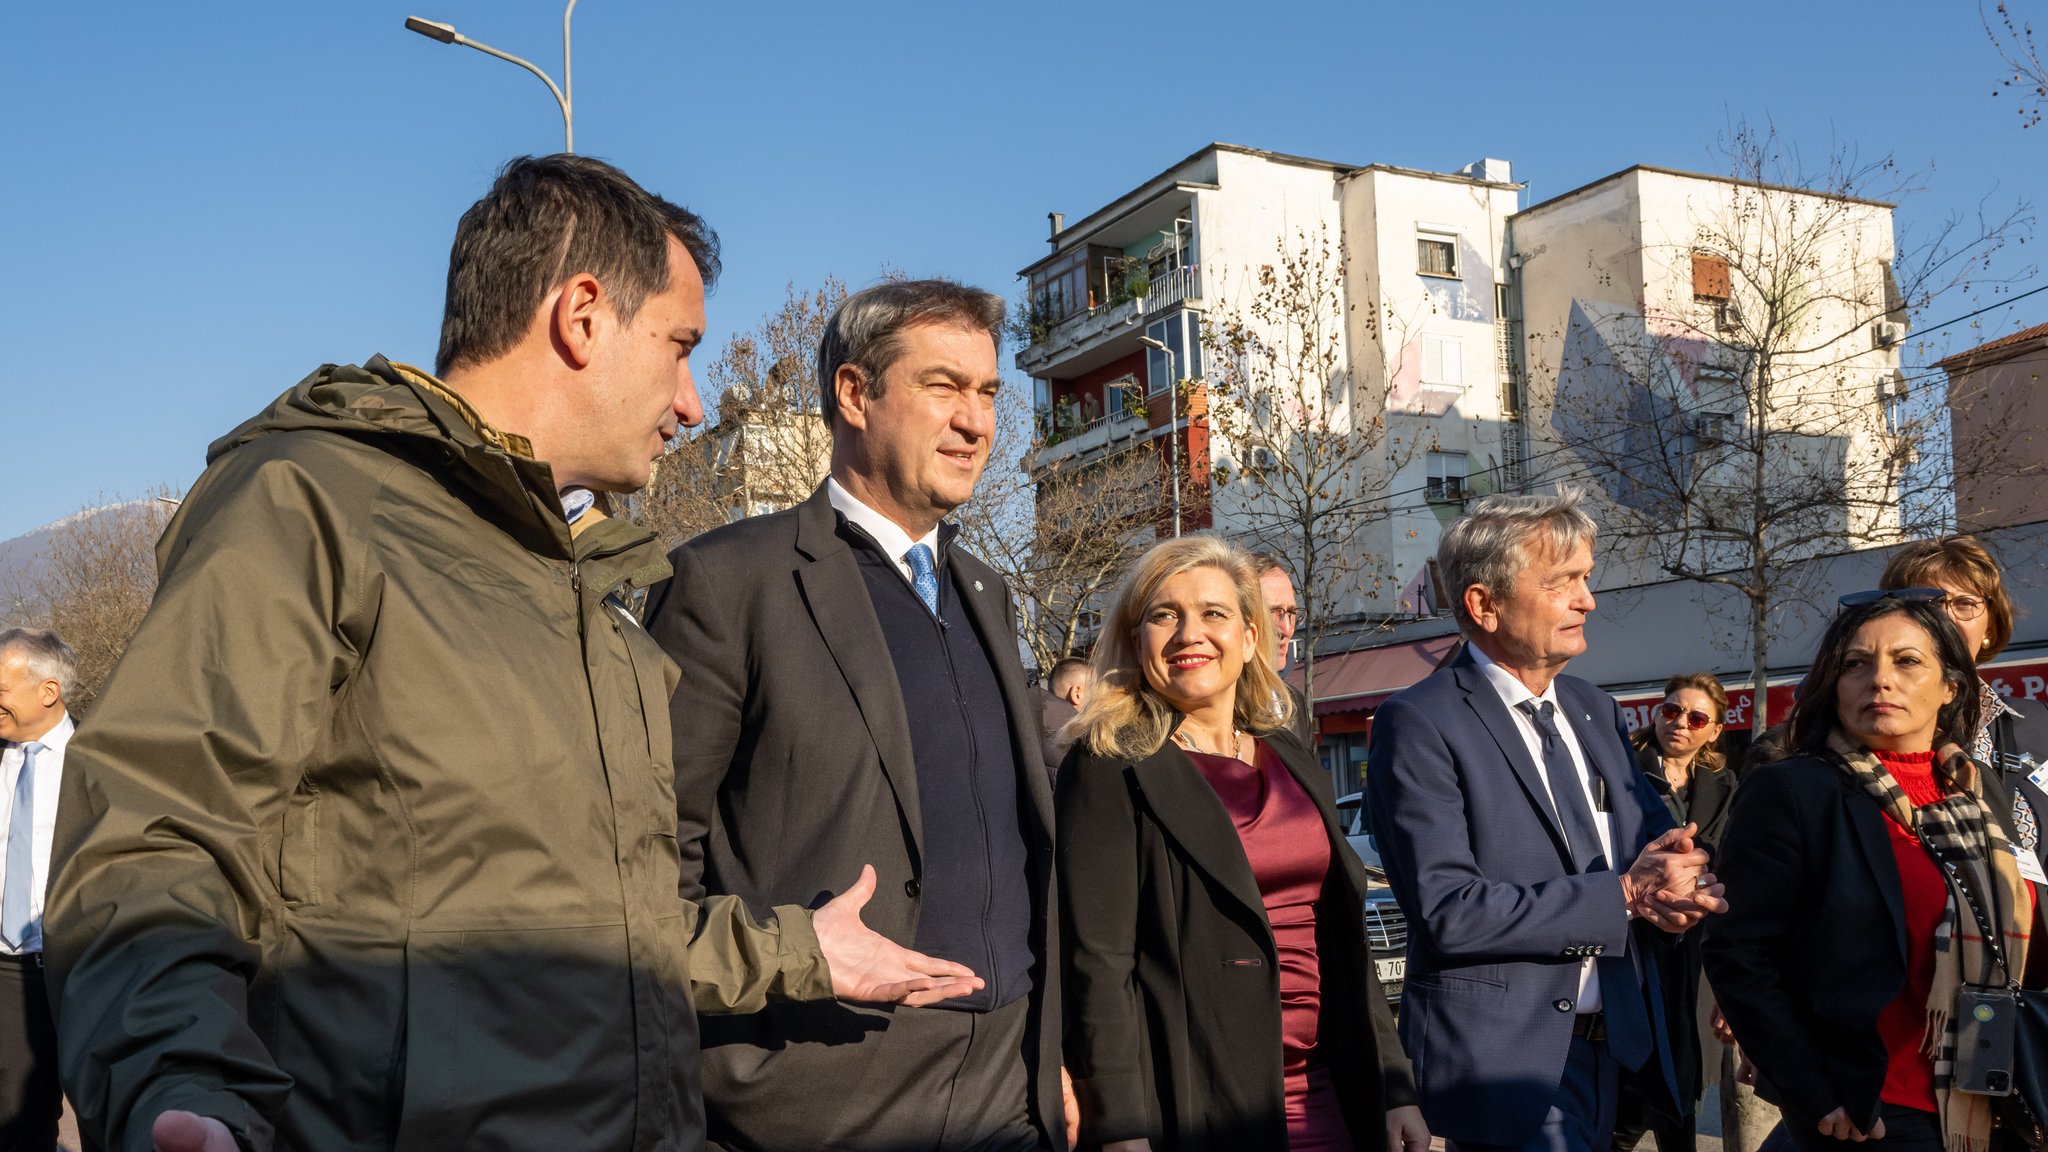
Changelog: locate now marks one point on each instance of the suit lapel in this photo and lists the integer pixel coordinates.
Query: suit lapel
(1615, 766)
(845, 619)
(1191, 812)
(1866, 822)
(1483, 700)
(978, 587)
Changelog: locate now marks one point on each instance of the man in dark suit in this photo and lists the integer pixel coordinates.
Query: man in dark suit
(1499, 792)
(852, 695)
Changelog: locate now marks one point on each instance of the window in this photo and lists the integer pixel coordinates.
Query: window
(1446, 483)
(1443, 361)
(1711, 428)
(1898, 416)
(1180, 333)
(1709, 276)
(1120, 391)
(1436, 254)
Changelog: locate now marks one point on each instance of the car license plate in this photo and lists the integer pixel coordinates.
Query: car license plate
(1389, 970)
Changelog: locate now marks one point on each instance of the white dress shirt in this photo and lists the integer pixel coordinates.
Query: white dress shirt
(886, 532)
(1512, 692)
(49, 779)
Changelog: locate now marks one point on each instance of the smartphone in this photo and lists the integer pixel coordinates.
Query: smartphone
(1984, 1040)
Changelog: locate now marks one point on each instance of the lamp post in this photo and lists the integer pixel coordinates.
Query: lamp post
(1172, 421)
(446, 34)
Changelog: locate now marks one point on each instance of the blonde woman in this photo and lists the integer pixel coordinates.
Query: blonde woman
(1219, 994)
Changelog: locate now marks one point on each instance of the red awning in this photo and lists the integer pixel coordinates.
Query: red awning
(1354, 681)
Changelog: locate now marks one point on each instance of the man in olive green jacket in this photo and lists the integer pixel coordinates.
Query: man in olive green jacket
(370, 842)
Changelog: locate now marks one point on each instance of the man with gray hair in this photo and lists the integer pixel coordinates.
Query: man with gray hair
(852, 693)
(1503, 795)
(37, 671)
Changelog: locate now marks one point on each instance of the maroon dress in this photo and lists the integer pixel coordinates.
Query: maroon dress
(1289, 850)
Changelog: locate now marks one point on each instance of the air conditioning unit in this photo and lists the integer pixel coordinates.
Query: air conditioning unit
(1885, 333)
(1713, 427)
(1727, 317)
(1264, 459)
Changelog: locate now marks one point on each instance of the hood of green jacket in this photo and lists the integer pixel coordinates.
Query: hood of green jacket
(407, 413)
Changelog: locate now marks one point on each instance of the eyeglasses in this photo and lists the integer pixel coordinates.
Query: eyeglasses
(1286, 615)
(1958, 607)
(1694, 719)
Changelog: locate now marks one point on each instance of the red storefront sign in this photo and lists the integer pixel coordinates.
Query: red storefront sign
(2026, 679)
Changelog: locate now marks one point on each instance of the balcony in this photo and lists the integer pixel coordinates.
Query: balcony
(1081, 330)
(1173, 287)
(1086, 440)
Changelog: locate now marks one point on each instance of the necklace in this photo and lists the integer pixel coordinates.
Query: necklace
(1187, 741)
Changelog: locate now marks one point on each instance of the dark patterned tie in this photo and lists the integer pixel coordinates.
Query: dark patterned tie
(1629, 1035)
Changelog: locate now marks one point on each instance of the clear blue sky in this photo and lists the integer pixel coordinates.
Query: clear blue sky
(200, 203)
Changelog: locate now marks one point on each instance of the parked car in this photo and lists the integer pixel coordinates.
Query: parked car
(1386, 929)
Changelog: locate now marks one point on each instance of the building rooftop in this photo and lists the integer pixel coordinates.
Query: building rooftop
(1165, 181)
(1998, 349)
(1683, 174)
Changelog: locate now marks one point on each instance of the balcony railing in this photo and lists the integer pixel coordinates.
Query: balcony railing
(1083, 325)
(1172, 287)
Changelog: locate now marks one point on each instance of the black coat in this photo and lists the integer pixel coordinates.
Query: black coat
(1679, 956)
(1706, 803)
(1813, 944)
(794, 767)
(1172, 987)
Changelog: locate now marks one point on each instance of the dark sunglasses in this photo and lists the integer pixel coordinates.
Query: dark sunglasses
(1911, 595)
(1694, 719)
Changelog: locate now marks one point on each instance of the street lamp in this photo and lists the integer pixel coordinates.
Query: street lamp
(1172, 421)
(446, 34)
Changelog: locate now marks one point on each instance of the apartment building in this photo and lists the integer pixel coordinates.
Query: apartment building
(1998, 410)
(1698, 347)
(1117, 310)
(1613, 337)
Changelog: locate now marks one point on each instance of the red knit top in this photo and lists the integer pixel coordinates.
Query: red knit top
(1909, 1073)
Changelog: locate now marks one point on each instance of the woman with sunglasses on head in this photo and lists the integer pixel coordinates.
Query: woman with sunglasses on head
(2012, 735)
(1873, 896)
(1679, 753)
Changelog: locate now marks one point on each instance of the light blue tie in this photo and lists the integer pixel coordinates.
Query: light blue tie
(21, 858)
(923, 577)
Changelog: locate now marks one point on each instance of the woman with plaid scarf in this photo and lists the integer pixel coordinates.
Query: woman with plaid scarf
(1871, 887)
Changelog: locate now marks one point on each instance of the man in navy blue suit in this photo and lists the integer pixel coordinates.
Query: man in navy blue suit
(1531, 857)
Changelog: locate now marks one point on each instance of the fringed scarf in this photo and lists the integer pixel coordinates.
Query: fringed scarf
(1967, 844)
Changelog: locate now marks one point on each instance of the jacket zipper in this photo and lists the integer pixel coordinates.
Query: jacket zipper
(988, 945)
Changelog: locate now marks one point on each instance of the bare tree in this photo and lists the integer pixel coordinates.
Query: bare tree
(1308, 456)
(1762, 418)
(2028, 81)
(1061, 538)
(95, 582)
(769, 446)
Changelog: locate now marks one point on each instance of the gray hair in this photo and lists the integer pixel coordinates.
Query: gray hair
(866, 330)
(1491, 542)
(47, 655)
(1267, 564)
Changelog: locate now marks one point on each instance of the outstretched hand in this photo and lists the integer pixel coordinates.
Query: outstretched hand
(870, 968)
(191, 1132)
